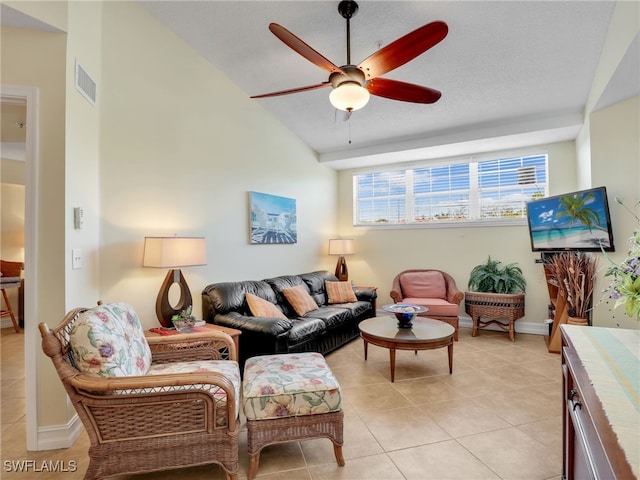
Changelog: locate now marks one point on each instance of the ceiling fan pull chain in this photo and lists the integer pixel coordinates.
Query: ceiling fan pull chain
(349, 120)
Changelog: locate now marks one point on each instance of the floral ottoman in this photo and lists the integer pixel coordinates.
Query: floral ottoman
(290, 397)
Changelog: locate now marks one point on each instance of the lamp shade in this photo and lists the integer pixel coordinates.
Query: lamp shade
(341, 246)
(170, 252)
(349, 96)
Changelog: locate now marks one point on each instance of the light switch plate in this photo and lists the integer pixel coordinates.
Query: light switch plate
(76, 258)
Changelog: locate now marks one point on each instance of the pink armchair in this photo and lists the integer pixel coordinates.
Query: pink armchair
(433, 289)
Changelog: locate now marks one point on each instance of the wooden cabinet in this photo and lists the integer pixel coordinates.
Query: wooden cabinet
(591, 449)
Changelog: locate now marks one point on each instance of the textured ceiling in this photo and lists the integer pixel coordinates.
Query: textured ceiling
(511, 73)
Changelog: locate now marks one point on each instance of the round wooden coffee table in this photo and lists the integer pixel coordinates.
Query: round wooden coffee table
(426, 334)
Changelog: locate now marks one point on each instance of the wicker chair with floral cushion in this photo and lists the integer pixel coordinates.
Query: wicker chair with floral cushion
(147, 405)
(433, 289)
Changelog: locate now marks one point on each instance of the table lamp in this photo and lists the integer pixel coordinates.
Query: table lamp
(342, 247)
(173, 252)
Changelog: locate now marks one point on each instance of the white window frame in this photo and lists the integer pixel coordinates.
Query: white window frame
(474, 206)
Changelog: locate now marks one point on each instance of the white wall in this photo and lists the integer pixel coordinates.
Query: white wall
(181, 147)
(615, 146)
(82, 150)
(609, 151)
(44, 70)
(383, 253)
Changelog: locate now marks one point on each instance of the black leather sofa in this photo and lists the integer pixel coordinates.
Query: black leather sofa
(322, 330)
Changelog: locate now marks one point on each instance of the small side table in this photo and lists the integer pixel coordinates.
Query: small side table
(202, 333)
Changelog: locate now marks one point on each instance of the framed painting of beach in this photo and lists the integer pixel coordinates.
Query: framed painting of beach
(272, 218)
(573, 221)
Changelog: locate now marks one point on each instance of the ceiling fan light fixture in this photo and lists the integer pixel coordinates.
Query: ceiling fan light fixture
(349, 96)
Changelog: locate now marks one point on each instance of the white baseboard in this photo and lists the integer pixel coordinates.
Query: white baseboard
(59, 436)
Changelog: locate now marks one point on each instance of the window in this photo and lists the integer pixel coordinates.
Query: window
(479, 191)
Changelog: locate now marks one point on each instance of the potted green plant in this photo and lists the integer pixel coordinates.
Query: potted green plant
(492, 277)
(495, 292)
(184, 321)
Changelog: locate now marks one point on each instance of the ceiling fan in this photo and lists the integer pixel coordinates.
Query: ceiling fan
(353, 84)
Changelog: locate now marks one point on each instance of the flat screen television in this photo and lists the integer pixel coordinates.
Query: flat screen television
(572, 221)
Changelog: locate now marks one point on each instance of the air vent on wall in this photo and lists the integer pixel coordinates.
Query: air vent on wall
(85, 84)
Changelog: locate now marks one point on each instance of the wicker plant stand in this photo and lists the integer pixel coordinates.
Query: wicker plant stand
(494, 307)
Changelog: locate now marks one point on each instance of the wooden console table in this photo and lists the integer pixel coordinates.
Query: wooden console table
(600, 368)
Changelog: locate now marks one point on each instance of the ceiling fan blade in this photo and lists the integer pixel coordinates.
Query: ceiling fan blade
(292, 90)
(302, 48)
(405, 92)
(404, 49)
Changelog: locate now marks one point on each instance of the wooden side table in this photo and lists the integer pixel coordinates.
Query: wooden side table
(202, 332)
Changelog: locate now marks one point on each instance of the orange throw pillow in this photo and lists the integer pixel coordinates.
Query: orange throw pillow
(300, 299)
(340, 292)
(262, 308)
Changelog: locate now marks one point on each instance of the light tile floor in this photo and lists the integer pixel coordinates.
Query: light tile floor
(498, 416)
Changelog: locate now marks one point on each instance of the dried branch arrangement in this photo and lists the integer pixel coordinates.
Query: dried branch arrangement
(575, 273)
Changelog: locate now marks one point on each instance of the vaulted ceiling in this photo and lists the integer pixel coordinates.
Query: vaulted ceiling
(511, 73)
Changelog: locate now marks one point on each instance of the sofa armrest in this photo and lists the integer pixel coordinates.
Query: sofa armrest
(265, 325)
(365, 294)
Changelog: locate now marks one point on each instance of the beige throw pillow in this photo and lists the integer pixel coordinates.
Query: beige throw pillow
(300, 299)
(262, 308)
(340, 292)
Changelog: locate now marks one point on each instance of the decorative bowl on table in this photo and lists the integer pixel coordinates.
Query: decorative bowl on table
(405, 313)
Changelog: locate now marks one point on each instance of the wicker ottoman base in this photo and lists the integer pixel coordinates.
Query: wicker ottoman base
(261, 433)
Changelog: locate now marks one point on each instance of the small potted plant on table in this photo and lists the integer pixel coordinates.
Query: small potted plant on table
(184, 321)
(495, 292)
